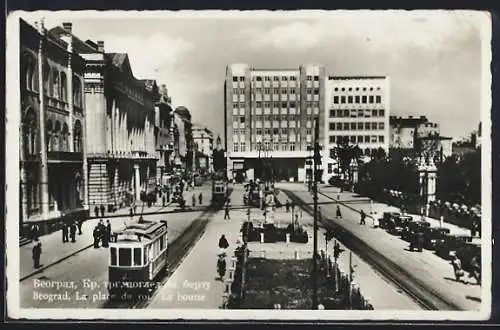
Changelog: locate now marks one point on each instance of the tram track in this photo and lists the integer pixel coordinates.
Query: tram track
(424, 296)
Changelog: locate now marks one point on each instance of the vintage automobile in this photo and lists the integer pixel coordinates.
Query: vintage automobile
(397, 224)
(449, 245)
(387, 218)
(417, 240)
(413, 227)
(466, 252)
(434, 236)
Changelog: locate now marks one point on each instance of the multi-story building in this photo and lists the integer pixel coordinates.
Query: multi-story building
(183, 137)
(406, 131)
(357, 110)
(164, 134)
(270, 113)
(52, 153)
(203, 147)
(120, 112)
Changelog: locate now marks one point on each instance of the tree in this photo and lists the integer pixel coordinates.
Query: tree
(347, 152)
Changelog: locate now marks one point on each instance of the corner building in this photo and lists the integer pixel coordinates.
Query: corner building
(358, 109)
(120, 146)
(52, 135)
(269, 118)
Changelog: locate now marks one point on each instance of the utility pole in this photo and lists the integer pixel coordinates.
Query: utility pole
(317, 161)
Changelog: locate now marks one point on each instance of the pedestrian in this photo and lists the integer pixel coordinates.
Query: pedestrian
(37, 252)
(96, 236)
(163, 200)
(339, 215)
(223, 243)
(105, 235)
(96, 211)
(457, 268)
(72, 232)
(131, 213)
(64, 228)
(363, 216)
(102, 210)
(35, 232)
(108, 230)
(200, 198)
(287, 206)
(193, 200)
(80, 223)
(226, 212)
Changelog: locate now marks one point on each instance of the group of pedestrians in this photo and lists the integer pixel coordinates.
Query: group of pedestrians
(97, 209)
(69, 230)
(102, 234)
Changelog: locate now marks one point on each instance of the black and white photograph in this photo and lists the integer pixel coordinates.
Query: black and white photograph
(248, 165)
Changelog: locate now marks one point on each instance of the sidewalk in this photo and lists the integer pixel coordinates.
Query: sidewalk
(54, 250)
(377, 209)
(195, 283)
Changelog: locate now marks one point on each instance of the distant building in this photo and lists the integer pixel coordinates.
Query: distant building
(269, 119)
(120, 112)
(53, 115)
(357, 109)
(164, 134)
(183, 137)
(203, 146)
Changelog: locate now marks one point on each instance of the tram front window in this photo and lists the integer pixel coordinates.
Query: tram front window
(125, 257)
(113, 256)
(137, 257)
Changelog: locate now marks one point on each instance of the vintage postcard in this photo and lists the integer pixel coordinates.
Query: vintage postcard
(246, 165)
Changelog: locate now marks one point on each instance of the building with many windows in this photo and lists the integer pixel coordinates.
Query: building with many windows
(357, 110)
(269, 114)
(203, 139)
(52, 153)
(164, 134)
(120, 113)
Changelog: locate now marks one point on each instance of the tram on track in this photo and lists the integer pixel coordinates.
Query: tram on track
(219, 190)
(137, 256)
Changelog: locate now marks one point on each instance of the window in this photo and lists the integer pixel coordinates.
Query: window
(316, 78)
(242, 78)
(276, 146)
(235, 111)
(64, 138)
(342, 99)
(346, 126)
(367, 126)
(381, 113)
(349, 99)
(259, 104)
(309, 78)
(316, 91)
(353, 126)
(138, 254)
(332, 113)
(343, 89)
(339, 126)
(381, 138)
(29, 136)
(276, 78)
(371, 98)
(242, 120)
(356, 99)
(236, 131)
(235, 146)
(332, 126)
(292, 147)
(374, 113)
(292, 90)
(360, 139)
(331, 138)
(363, 99)
(284, 105)
(381, 125)
(378, 99)
(308, 131)
(309, 90)
(374, 126)
(242, 145)
(235, 78)
(346, 113)
(124, 257)
(293, 78)
(336, 99)
(352, 138)
(353, 113)
(258, 78)
(236, 91)
(360, 126)
(367, 138)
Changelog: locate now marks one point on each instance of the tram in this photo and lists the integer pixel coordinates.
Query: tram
(137, 255)
(219, 190)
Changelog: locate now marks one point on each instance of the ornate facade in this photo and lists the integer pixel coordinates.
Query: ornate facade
(52, 145)
(120, 128)
(164, 134)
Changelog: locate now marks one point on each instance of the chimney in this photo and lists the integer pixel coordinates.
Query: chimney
(100, 46)
(67, 27)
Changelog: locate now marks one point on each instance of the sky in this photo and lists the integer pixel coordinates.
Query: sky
(433, 58)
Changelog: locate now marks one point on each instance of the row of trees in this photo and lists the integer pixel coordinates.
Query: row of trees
(459, 177)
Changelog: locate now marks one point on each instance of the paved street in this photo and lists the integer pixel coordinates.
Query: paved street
(428, 268)
(195, 283)
(90, 263)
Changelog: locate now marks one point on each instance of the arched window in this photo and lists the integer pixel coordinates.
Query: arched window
(64, 87)
(56, 136)
(55, 84)
(29, 132)
(64, 138)
(34, 80)
(77, 137)
(77, 91)
(49, 136)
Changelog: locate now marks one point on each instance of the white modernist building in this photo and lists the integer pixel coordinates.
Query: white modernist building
(357, 108)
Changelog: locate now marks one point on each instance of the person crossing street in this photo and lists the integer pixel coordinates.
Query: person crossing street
(226, 212)
(338, 213)
(363, 216)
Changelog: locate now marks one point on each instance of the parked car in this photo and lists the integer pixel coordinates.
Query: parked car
(449, 245)
(466, 252)
(413, 227)
(387, 218)
(417, 240)
(396, 225)
(435, 236)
